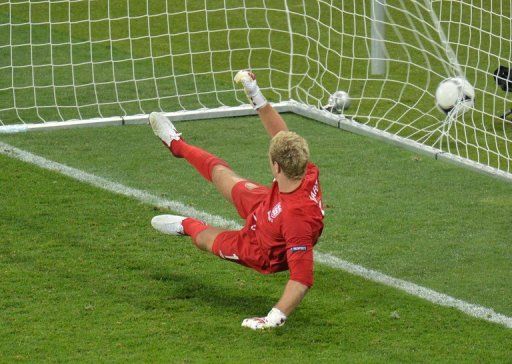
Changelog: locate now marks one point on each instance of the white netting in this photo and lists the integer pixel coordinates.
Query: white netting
(79, 59)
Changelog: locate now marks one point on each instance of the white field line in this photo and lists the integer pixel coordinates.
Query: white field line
(484, 313)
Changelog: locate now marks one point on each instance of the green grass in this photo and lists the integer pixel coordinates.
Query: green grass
(85, 278)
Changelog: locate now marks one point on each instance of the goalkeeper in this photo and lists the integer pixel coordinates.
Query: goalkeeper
(283, 222)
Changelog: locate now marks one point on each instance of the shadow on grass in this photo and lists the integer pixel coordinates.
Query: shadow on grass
(234, 296)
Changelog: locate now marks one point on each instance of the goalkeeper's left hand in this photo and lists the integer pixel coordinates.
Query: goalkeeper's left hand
(274, 318)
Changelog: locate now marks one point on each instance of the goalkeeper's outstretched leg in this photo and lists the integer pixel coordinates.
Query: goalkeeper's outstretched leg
(202, 234)
(211, 167)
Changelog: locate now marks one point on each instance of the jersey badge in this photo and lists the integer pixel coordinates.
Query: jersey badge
(276, 210)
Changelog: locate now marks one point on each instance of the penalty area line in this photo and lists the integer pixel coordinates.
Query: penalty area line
(441, 299)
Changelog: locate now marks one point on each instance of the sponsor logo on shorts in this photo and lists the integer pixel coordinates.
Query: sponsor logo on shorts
(298, 249)
(230, 257)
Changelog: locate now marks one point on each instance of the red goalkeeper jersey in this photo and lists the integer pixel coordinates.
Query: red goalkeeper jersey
(286, 226)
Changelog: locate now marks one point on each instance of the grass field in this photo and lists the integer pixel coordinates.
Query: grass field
(85, 278)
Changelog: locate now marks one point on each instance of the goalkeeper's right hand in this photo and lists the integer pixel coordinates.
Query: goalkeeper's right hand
(251, 88)
(274, 318)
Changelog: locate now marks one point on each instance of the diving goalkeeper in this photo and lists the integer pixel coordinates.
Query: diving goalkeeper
(283, 221)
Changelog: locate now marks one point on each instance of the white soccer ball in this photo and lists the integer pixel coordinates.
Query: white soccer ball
(340, 100)
(455, 95)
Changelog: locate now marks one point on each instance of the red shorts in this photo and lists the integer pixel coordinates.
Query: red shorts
(247, 196)
(237, 246)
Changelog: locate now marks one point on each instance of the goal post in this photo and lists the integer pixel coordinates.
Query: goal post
(85, 62)
(378, 37)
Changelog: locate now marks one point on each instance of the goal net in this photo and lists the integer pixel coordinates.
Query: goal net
(82, 59)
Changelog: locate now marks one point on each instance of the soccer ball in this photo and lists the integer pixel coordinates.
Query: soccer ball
(455, 95)
(340, 100)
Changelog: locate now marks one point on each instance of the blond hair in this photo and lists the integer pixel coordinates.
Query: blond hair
(291, 152)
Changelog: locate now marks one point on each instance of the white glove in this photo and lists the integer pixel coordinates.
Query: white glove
(275, 318)
(251, 88)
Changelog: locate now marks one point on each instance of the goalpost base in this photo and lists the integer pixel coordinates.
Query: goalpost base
(339, 121)
(201, 114)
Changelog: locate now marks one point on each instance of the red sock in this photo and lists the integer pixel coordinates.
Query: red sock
(193, 227)
(197, 157)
